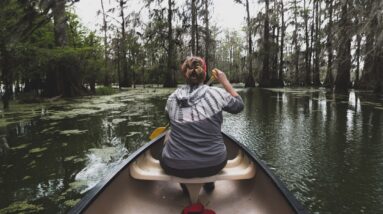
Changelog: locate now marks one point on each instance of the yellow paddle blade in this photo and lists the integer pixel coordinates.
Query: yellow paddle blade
(157, 132)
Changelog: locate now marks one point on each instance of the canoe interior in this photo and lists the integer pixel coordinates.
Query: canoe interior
(128, 195)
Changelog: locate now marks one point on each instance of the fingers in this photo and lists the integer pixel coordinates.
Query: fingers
(219, 75)
(215, 73)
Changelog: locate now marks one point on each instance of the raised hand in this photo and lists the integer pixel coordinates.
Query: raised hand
(220, 76)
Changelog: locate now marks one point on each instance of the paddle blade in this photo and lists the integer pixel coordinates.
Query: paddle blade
(157, 132)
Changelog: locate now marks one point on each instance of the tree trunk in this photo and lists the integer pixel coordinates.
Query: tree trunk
(372, 77)
(249, 82)
(307, 58)
(6, 75)
(170, 73)
(329, 79)
(379, 68)
(54, 80)
(264, 75)
(125, 82)
(357, 52)
(367, 75)
(283, 28)
(276, 81)
(207, 39)
(60, 24)
(61, 81)
(296, 46)
(311, 53)
(118, 61)
(272, 43)
(92, 85)
(316, 78)
(105, 29)
(197, 45)
(342, 81)
(193, 27)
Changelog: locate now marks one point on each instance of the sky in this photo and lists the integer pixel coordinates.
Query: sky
(226, 14)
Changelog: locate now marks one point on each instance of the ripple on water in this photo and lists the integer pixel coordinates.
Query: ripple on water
(99, 163)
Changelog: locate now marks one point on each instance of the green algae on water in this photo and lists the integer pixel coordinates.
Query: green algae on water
(139, 123)
(71, 203)
(132, 134)
(27, 177)
(22, 146)
(32, 163)
(117, 121)
(4, 122)
(295, 90)
(50, 129)
(77, 185)
(22, 207)
(73, 132)
(37, 150)
(78, 160)
(70, 158)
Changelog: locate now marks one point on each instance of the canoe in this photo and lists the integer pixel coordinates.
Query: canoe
(246, 185)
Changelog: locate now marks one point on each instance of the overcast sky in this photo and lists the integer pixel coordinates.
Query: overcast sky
(226, 13)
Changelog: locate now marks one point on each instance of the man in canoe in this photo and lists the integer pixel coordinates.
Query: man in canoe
(195, 147)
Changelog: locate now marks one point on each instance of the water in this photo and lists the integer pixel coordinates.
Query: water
(325, 147)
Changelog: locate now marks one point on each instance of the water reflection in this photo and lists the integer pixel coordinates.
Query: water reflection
(319, 143)
(326, 147)
(57, 156)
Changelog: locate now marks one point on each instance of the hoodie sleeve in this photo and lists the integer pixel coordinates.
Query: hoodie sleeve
(230, 103)
(171, 105)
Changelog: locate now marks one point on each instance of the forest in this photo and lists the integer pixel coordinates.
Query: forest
(46, 52)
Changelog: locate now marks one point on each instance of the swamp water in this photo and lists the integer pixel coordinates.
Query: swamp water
(327, 148)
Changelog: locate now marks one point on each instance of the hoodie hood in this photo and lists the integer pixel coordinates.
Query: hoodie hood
(190, 95)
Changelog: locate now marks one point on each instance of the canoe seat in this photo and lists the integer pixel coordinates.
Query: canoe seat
(145, 167)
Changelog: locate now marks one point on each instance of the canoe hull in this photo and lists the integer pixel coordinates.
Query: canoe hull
(123, 194)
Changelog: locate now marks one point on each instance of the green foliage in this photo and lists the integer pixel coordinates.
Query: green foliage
(33, 58)
(229, 55)
(105, 90)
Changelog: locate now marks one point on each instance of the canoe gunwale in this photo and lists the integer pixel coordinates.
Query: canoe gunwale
(92, 194)
(298, 207)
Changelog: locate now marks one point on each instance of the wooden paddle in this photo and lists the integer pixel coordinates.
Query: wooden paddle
(160, 130)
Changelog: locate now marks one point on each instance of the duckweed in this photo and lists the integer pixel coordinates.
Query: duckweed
(73, 132)
(69, 158)
(37, 150)
(22, 207)
(27, 177)
(22, 146)
(71, 203)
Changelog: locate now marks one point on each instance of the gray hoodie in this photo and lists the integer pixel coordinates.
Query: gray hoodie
(195, 115)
